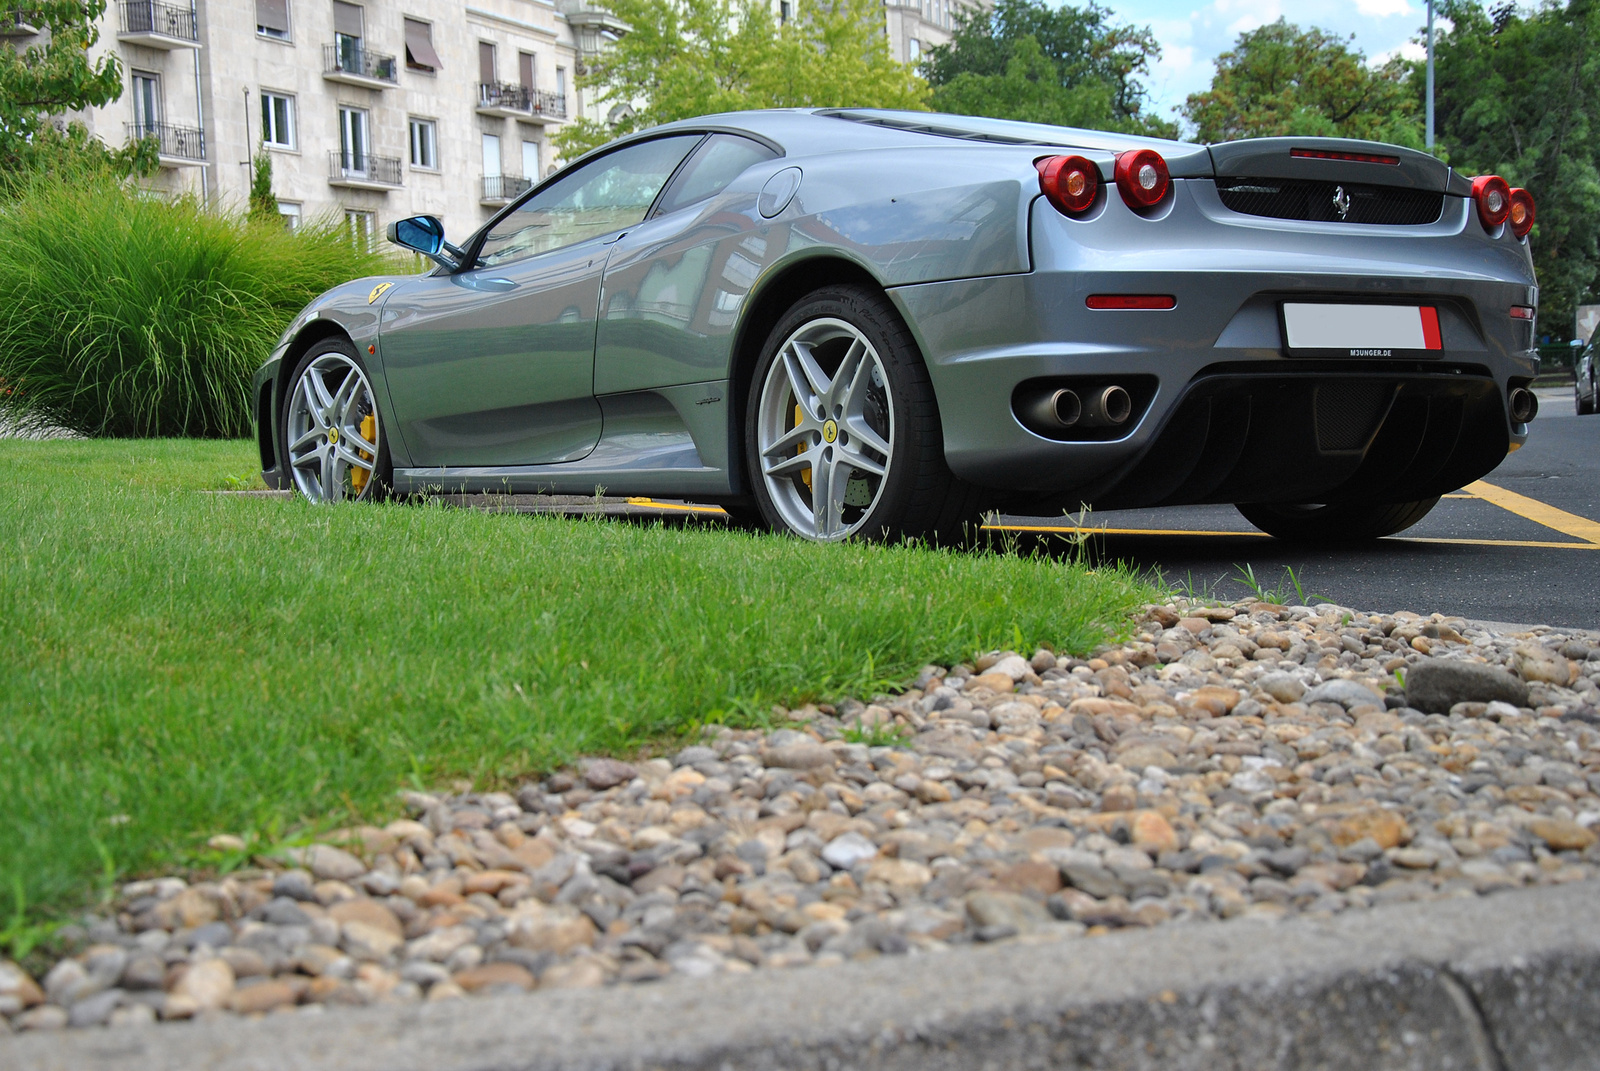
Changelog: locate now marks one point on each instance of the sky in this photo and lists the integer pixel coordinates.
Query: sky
(1192, 33)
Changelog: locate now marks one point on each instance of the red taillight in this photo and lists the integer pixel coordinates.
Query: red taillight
(1071, 183)
(1357, 157)
(1131, 301)
(1494, 200)
(1142, 178)
(1522, 212)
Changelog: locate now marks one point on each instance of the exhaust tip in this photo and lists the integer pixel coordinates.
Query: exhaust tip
(1066, 407)
(1116, 405)
(1524, 405)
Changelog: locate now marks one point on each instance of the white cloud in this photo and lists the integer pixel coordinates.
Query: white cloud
(1383, 9)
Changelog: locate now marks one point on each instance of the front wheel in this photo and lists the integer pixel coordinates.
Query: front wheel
(1346, 523)
(1584, 408)
(331, 438)
(842, 431)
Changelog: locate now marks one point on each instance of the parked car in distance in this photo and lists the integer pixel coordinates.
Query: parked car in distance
(1585, 396)
(849, 323)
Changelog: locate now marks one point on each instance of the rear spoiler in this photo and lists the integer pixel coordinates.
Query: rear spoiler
(1336, 160)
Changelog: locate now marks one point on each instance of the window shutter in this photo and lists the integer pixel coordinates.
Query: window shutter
(419, 45)
(486, 63)
(273, 15)
(525, 69)
(346, 18)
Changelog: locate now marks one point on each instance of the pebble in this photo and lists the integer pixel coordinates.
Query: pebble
(1246, 761)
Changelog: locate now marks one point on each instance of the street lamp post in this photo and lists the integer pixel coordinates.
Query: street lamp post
(1430, 77)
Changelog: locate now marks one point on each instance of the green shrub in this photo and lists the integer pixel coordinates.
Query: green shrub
(122, 315)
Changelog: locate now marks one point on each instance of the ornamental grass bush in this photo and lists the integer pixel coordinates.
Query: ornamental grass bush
(122, 315)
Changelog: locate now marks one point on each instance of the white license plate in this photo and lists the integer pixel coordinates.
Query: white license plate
(1361, 330)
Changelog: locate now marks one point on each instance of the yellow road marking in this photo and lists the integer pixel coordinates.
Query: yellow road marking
(1566, 523)
(1458, 496)
(653, 504)
(1497, 542)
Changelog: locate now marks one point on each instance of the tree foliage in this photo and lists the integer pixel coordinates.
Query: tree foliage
(684, 58)
(263, 205)
(1030, 60)
(1518, 95)
(51, 77)
(1279, 80)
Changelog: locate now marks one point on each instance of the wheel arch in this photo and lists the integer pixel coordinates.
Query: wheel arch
(771, 298)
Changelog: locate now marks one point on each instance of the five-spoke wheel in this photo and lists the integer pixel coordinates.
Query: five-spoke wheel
(842, 430)
(333, 444)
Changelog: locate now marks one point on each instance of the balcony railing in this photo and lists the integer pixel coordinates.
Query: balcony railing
(14, 23)
(149, 17)
(504, 187)
(178, 142)
(363, 167)
(517, 98)
(358, 63)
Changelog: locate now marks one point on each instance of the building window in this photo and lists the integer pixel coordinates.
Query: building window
(347, 33)
(420, 55)
(146, 103)
(783, 11)
(361, 227)
(424, 145)
(353, 139)
(526, 71)
(277, 120)
(491, 156)
(913, 50)
(272, 19)
(561, 83)
(486, 63)
(290, 211)
(530, 161)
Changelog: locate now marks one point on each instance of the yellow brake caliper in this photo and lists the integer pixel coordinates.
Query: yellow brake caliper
(369, 432)
(805, 476)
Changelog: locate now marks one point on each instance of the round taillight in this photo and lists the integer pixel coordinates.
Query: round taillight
(1522, 212)
(1494, 200)
(1071, 183)
(1142, 178)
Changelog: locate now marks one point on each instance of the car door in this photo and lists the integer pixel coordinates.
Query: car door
(493, 365)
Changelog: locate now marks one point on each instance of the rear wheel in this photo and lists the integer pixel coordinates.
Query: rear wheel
(1344, 523)
(1584, 408)
(331, 437)
(842, 432)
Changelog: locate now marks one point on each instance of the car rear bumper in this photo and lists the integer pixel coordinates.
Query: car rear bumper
(1222, 413)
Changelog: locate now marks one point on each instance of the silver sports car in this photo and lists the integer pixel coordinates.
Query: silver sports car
(846, 323)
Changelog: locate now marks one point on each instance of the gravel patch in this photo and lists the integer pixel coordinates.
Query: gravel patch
(1251, 761)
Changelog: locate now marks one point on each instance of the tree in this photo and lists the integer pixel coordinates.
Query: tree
(1029, 60)
(263, 205)
(684, 58)
(1279, 80)
(1519, 96)
(44, 81)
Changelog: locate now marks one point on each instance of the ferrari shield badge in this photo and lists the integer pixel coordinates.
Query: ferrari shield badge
(377, 292)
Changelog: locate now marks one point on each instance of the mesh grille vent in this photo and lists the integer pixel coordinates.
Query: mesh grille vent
(1391, 206)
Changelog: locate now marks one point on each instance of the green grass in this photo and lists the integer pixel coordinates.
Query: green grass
(177, 664)
(124, 315)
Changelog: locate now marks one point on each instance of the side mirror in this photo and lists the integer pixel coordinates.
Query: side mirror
(1576, 343)
(425, 235)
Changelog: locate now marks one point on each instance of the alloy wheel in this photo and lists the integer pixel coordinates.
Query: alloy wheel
(825, 429)
(333, 430)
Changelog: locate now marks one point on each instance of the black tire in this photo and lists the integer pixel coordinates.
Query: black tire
(744, 514)
(1584, 408)
(380, 485)
(1346, 523)
(919, 497)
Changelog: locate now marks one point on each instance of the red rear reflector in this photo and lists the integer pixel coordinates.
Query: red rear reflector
(1131, 301)
(1358, 157)
(1430, 328)
(1522, 312)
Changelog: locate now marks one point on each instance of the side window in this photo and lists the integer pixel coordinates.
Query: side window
(723, 158)
(602, 196)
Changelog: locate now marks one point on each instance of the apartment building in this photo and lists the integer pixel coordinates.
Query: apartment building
(371, 111)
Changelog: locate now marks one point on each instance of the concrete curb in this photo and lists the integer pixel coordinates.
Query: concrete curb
(1500, 983)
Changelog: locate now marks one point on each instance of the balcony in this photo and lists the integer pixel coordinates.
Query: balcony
(153, 25)
(359, 67)
(176, 146)
(503, 189)
(363, 171)
(14, 24)
(519, 102)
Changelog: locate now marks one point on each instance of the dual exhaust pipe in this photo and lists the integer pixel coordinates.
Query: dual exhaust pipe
(1104, 407)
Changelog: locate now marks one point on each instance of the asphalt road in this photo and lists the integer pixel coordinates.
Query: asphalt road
(1530, 556)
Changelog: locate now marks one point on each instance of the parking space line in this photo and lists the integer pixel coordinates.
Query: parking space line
(1566, 523)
